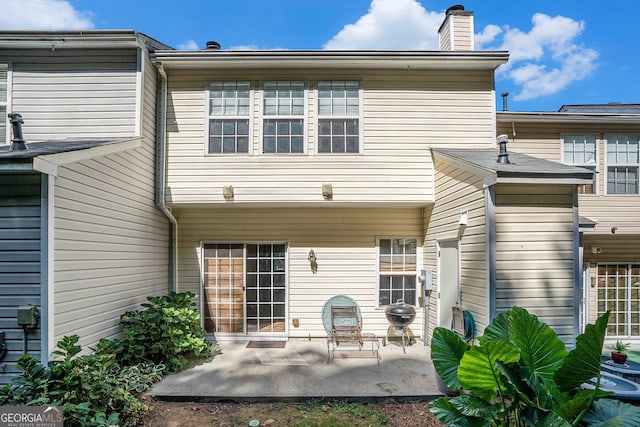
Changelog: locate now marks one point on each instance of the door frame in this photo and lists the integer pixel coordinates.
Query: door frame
(245, 333)
(439, 242)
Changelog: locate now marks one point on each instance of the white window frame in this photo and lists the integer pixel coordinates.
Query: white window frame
(320, 116)
(398, 273)
(210, 117)
(613, 321)
(6, 104)
(608, 164)
(303, 117)
(594, 166)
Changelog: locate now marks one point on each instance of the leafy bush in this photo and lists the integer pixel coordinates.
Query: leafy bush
(88, 387)
(521, 374)
(100, 389)
(167, 331)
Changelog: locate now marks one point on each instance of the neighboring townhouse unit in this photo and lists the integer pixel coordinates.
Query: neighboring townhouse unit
(81, 237)
(603, 138)
(296, 176)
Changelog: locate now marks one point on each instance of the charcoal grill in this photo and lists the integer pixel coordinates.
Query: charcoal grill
(400, 315)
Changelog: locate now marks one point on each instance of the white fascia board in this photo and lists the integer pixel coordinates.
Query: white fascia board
(49, 163)
(461, 164)
(491, 180)
(406, 60)
(559, 117)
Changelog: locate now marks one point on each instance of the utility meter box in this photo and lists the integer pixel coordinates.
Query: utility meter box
(27, 316)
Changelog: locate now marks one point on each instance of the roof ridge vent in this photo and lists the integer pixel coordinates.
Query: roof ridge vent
(503, 157)
(213, 45)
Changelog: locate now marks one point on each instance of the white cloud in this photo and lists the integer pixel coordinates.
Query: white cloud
(487, 35)
(390, 25)
(188, 45)
(42, 15)
(544, 60)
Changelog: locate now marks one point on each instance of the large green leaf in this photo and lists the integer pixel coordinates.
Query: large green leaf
(478, 371)
(498, 329)
(583, 362)
(472, 406)
(610, 413)
(551, 419)
(446, 411)
(541, 351)
(447, 349)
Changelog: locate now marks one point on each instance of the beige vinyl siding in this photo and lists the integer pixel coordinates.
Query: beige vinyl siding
(445, 35)
(459, 191)
(535, 253)
(343, 239)
(110, 240)
(74, 93)
(463, 32)
(404, 114)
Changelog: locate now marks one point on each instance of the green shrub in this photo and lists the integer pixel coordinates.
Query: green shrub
(520, 374)
(88, 387)
(166, 332)
(100, 389)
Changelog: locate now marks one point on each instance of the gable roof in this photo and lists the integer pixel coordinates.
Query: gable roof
(48, 155)
(611, 108)
(523, 169)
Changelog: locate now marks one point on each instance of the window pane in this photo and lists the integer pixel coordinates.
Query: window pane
(397, 255)
(224, 136)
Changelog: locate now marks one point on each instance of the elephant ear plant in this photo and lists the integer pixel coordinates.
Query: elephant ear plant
(520, 374)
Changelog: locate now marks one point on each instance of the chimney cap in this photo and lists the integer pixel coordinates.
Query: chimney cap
(454, 8)
(213, 45)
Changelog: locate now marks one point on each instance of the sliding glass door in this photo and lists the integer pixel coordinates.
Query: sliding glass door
(245, 288)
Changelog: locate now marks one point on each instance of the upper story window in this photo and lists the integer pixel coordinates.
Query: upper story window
(581, 150)
(623, 161)
(229, 108)
(397, 268)
(4, 73)
(338, 117)
(283, 117)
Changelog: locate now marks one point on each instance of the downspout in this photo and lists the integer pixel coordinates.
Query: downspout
(161, 174)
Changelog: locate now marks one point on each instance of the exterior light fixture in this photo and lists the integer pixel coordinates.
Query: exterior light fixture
(227, 192)
(313, 261)
(327, 191)
(463, 218)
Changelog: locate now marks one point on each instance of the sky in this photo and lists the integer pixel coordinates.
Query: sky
(561, 51)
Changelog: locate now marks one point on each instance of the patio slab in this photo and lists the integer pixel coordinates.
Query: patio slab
(300, 372)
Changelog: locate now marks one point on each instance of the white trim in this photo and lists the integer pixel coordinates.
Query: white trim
(51, 215)
(245, 333)
(140, 71)
(8, 103)
(305, 118)
(317, 117)
(208, 117)
(605, 138)
(47, 163)
(439, 275)
(585, 165)
(419, 266)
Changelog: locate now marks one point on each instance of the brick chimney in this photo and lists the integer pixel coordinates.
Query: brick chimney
(456, 32)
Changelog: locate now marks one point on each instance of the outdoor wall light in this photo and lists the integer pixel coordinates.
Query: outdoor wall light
(313, 261)
(327, 191)
(227, 192)
(463, 218)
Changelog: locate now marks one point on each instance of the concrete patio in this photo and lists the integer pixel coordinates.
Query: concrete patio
(300, 371)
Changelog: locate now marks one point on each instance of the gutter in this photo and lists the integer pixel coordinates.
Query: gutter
(161, 174)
